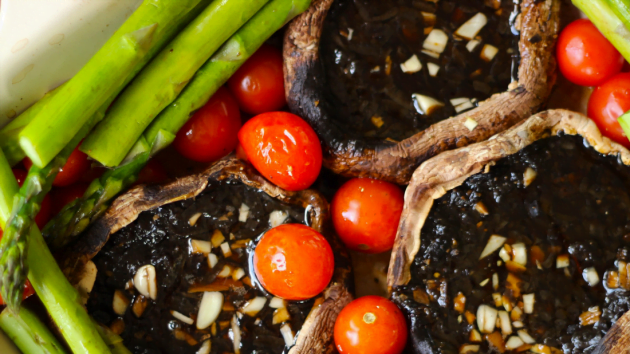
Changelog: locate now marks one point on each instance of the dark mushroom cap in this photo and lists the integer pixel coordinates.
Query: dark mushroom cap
(438, 175)
(315, 336)
(305, 87)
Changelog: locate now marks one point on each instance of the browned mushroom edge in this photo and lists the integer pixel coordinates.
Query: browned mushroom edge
(396, 161)
(435, 177)
(315, 336)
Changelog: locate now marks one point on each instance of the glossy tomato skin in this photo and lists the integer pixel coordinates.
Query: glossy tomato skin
(74, 169)
(283, 148)
(370, 325)
(366, 213)
(607, 103)
(258, 85)
(43, 216)
(294, 262)
(585, 56)
(211, 132)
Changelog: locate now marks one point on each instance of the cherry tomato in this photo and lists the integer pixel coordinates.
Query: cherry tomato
(585, 56)
(294, 262)
(43, 216)
(283, 148)
(212, 131)
(366, 212)
(258, 85)
(607, 103)
(76, 166)
(62, 196)
(370, 325)
(240, 153)
(152, 173)
(96, 171)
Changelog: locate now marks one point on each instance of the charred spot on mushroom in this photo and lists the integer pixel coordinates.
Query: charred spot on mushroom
(416, 32)
(178, 252)
(562, 271)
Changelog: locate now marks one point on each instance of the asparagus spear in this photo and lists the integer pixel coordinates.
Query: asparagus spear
(153, 23)
(75, 217)
(13, 246)
(164, 78)
(59, 297)
(9, 135)
(29, 333)
(603, 15)
(25, 207)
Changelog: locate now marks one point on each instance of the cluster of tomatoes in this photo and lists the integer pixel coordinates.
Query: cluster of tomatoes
(291, 261)
(294, 261)
(587, 58)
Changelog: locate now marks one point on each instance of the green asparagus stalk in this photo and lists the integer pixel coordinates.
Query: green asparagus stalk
(603, 14)
(75, 217)
(164, 78)
(148, 28)
(113, 340)
(29, 333)
(9, 135)
(59, 297)
(26, 205)
(622, 9)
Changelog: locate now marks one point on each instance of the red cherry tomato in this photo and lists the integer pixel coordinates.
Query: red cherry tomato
(212, 131)
(152, 173)
(258, 85)
(43, 216)
(294, 262)
(366, 212)
(284, 148)
(370, 325)
(76, 166)
(607, 103)
(585, 56)
(64, 195)
(93, 173)
(240, 153)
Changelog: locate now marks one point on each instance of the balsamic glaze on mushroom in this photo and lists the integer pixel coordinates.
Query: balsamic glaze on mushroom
(174, 267)
(365, 78)
(520, 244)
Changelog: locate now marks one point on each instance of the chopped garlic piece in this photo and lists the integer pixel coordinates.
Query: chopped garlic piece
(528, 303)
(427, 104)
(180, 316)
(513, 342)
(488, 52)
(471, 28)
(486, 318)
(436, 41)
(471, 124)
(433, 69)
(243, 212)
(209, 309)
(590, 276)
(412, 65)
(494, 243)
(562, 261)
(472, 44)
(529, 176)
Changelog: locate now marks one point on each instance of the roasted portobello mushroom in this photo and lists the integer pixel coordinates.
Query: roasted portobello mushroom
(388, 84)
(163, 253)
(517, 244)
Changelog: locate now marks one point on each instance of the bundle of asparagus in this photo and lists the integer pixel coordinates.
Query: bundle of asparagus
(76, 216)
(145, 39)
